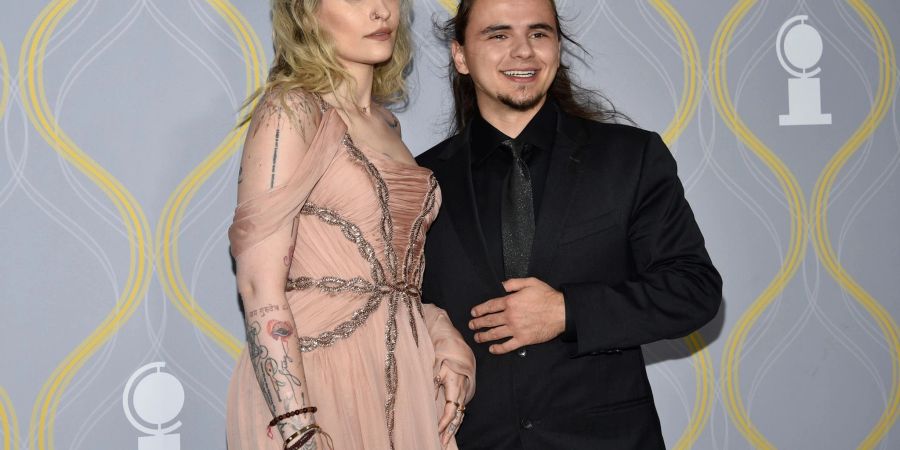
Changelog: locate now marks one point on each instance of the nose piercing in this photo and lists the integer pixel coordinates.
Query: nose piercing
(376, 16)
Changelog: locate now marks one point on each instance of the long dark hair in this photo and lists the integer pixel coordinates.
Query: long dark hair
(571, 97)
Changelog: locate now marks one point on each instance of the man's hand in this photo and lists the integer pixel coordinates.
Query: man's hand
(532, 313)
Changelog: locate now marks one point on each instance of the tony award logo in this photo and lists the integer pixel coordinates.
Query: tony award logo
(799, 48)
(156, 397)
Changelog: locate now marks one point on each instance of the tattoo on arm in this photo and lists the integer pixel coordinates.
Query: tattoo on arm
(275, 154)
(289, 256)
(259, 356)
(262, 312)
(278, 380)
(298, 111)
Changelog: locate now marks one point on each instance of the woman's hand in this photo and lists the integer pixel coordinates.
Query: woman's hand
(455, 387)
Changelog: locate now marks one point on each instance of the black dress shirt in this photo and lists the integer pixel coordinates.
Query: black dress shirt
(490, 164)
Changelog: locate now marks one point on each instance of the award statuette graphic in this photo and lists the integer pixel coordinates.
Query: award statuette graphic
(799, 48)
(156, 397)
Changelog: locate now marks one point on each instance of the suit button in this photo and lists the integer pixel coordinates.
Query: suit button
(526, 424)
(522, 352)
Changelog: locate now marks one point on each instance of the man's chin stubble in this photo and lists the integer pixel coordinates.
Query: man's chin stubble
(522, 104)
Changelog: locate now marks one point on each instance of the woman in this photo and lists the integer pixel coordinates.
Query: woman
(328, 237)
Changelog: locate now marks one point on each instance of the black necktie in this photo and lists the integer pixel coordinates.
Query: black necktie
(516, 213)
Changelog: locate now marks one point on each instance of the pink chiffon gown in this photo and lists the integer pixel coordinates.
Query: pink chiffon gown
(371, 349)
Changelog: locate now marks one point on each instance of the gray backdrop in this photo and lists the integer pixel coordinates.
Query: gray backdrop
(117, 184)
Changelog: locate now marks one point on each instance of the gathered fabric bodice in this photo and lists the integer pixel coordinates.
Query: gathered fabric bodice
(381, 229)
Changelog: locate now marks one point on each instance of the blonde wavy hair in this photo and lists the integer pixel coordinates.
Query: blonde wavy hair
(305, 56)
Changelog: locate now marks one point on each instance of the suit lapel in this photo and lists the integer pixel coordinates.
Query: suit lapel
(562, 176)
(455, 176)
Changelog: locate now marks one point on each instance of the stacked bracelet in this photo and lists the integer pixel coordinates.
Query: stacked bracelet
(290, 438)
(279, 418)
(306, 433)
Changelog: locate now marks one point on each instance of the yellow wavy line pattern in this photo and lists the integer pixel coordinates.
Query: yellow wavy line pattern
(450, 5)
(8, 421)
(140, 269)
(34, 99)
(887, 67)
(687, 107)
(4, 72)
(167, 234)
(704, 391)
(798, 237)
(9, 424)
(690, 55)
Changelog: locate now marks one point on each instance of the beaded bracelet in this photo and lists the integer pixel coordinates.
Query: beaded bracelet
(308, 409)
(279, 418)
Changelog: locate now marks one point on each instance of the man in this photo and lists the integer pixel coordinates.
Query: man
(564, 244)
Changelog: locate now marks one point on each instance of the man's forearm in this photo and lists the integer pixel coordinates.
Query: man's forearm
(664, 305)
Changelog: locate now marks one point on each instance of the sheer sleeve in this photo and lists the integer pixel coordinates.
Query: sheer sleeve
(284, 156)
(280, 165)
(449, 347)
(279, 135)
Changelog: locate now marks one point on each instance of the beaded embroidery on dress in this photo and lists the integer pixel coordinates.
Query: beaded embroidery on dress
(359, 220)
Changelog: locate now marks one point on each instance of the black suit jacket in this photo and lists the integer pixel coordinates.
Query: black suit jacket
(617, 237)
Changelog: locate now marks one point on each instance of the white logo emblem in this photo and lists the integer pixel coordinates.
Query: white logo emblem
(799, 48)
(156, 397)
